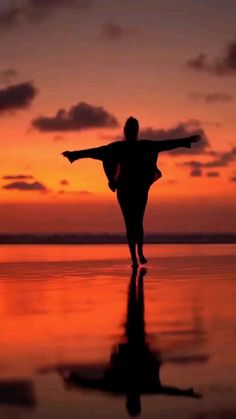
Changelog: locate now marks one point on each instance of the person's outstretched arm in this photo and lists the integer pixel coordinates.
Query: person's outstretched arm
(97, 153)
(172, 144)
(74, 379)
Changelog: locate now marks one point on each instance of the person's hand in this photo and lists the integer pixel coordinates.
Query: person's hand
(195, 138)
(68, 155)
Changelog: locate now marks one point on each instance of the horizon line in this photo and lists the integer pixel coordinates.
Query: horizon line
(117, 238)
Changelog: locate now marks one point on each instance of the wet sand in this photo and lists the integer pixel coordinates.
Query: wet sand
(70, 311)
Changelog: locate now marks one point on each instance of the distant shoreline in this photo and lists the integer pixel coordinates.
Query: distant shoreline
(190, 238)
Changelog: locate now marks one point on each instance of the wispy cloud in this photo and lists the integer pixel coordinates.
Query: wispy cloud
(8, 75)
(17, 12)
(211, 98)
(181, 130)
(59, 138)
(18, 177)
(224, 65)
(222, 159)
(112, 31)
(213, 174)
(80, 192)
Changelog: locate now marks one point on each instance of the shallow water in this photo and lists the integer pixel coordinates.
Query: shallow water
(65, 309)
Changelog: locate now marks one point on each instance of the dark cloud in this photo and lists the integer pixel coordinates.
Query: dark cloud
(51, 4)
(213, 174)
(222, 66)
(58, 138)
(17, 96)
(25, 186)
(214, 153)
(222, 159)
(82, 192)
(79, 117)
(212, 97)
(40, 10)
(10, 15)
(198, 63)
(18, 11)
(194, 164)
(181, 130)
(6, 76)
(18, 177)
(112, 31)
(196, 172)
(64, 182)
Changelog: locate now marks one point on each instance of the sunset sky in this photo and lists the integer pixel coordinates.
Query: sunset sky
(71, 73)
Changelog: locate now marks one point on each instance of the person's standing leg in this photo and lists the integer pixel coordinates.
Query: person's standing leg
(127, 211)
(141, 205)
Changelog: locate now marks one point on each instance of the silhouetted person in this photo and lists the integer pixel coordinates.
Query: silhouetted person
(133, 369)
(130, 167)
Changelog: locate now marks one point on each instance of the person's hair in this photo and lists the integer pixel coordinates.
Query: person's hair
(131, 128)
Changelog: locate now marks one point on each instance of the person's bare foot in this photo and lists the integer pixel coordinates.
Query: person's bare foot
(142, 272)
(142, 259)
(68, 155)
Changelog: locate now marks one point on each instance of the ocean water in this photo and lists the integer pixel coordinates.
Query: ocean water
(81, 336)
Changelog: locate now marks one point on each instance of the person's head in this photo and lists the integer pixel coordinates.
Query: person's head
(131, 129)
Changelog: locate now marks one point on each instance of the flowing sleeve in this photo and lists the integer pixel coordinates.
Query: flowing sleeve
(111, 164)
(152, 172)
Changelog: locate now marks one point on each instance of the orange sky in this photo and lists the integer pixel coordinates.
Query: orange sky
(131, 61)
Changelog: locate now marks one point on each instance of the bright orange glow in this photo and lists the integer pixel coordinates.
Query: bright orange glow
(144, 74)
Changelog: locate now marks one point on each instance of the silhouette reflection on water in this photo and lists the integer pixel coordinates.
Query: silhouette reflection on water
(18, 393)
(133, 369)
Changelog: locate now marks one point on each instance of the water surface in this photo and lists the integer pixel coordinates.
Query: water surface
(76, 309)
